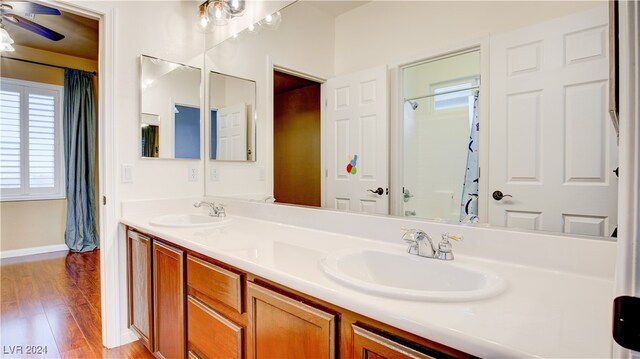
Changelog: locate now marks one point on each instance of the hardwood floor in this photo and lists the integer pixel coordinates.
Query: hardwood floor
(51, 302)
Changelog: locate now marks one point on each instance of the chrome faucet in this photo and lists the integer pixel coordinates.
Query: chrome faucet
(215, 210)
(420, 243)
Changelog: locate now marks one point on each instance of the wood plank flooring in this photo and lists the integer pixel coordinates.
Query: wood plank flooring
(51, 302)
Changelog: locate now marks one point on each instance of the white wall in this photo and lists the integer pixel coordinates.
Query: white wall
(303, 42)
(407, 32)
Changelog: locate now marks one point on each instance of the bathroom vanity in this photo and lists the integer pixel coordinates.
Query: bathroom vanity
(254, 287)
(205, 308)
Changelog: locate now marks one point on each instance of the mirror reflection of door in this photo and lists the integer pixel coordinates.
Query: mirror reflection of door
(296, 140)
(441, 137)
(187, 132)
(231, 133)
(357, 142)
(553, 147)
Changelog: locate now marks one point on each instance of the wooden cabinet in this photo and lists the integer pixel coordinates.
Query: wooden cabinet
(140, 294)
(214, 284)
(169, 307)
(283, 327)
(372, 344)
(215, 307)
(211, 335)
(183, 304)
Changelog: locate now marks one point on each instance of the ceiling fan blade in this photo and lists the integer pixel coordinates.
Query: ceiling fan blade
(30, 8)
(33, 27)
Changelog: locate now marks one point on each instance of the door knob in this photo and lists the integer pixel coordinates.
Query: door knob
(498, 195)
(378, 191)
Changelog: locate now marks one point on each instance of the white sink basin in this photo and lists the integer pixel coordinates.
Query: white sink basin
(405, 276)
(188, 220)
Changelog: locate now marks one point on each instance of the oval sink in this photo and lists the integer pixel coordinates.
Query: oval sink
(188, 220)
(405, 276)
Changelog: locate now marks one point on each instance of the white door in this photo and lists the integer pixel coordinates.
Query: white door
(232, 133)
(357, 142)
(552, 144)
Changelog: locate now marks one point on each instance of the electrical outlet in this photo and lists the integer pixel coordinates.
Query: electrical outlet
(213, 174)
(261, 174)
(193, 174)
(127, 174)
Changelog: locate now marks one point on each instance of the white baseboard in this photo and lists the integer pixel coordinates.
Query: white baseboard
(33, 250)
(128, 336)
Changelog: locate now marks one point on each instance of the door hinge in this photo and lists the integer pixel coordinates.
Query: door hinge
(104, 200)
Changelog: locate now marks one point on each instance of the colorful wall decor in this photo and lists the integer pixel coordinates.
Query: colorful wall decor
(351, 167)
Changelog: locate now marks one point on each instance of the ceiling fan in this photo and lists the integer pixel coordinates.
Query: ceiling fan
(21, 14)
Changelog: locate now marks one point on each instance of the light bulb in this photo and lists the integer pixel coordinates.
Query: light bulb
(251, 27)
(218, 13)
(6, 47)
(204, 21)
(203, 16)
(235, 4)
(272, 21)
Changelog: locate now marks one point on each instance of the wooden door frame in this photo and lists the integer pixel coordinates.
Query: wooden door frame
(112, 267)
(320, 79)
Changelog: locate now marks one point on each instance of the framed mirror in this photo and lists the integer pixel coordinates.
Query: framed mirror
(231, 119)
(544, 140)
(170, 110)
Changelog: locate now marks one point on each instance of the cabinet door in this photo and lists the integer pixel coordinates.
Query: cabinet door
(370, 345)
(140, 303)
(168, 288)
(282, 327)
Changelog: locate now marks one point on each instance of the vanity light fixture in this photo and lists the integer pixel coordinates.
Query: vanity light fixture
(203, 16)
(219, 12)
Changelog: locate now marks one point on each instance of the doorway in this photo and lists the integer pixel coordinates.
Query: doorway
(441, 137)
(296, 140)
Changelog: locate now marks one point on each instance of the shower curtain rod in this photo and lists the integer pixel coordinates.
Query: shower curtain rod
(440, 93)
(43, 64)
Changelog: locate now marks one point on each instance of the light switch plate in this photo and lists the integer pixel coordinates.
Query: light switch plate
(213, 174)
(127, 174)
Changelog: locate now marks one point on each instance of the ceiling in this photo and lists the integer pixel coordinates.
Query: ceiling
(335, 8)
(284, 82)
(81, 34)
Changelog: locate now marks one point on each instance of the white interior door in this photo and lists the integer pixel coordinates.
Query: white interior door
(232, 133)
(357, 142)
(552, 144)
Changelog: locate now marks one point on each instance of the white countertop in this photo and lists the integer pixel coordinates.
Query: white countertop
(542, 313)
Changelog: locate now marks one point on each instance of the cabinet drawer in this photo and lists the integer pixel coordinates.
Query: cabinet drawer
(210, 334)
(371, 345)
(211, 282)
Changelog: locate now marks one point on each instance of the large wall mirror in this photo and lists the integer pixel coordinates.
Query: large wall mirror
(170, 110)
(458, 111)
(231, 125)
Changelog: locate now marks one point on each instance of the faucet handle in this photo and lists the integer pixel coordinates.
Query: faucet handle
(444, 247)
(455, 237)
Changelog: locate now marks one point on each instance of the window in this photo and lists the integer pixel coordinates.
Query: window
(454, 94)
(31, 162)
